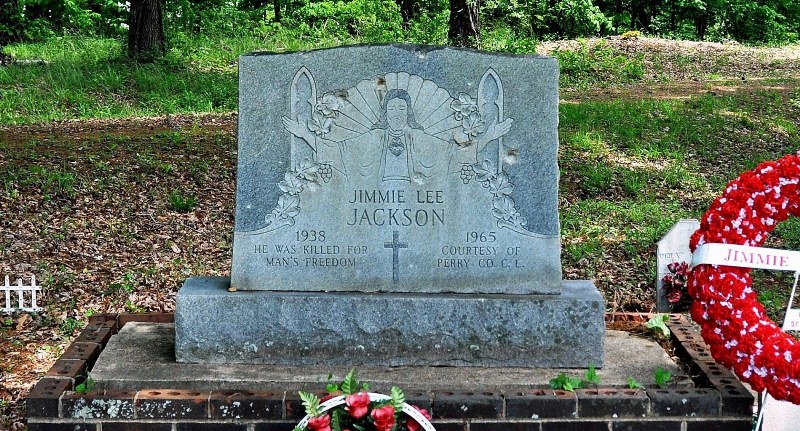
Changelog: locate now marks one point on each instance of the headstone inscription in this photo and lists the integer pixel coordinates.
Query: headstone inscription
(673, 247)
(420, 172)
(418, 181)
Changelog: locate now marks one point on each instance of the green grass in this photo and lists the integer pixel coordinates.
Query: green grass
(631, 168)
(53, 182)
(88, 78)
(181, 202)
(80, 77)
(598, 65)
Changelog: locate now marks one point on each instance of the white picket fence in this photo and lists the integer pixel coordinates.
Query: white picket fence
(21, 290)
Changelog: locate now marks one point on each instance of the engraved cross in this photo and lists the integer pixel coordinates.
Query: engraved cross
(395, 245)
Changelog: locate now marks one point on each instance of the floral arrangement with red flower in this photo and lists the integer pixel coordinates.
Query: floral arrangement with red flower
(674, 286)
(350, 407)
(734, 324)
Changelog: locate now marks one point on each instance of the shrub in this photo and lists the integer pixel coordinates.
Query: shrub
(373, 20)
(181, 202)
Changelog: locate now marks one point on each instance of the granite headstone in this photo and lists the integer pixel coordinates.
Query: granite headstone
(673, 247)
(401, 169)
(399, 201)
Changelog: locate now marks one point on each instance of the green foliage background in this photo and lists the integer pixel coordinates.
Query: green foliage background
(752, 21)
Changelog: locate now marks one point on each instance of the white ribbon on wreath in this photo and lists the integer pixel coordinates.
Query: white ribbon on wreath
(407, 409)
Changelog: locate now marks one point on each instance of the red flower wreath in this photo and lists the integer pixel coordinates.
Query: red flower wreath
(733, 322)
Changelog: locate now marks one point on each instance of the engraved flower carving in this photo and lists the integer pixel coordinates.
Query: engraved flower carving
(506, 214)
(484, 171)
(503, 208)
(328, 106)
(305, 176)
(291, 185)
(462, 139)
(464, 106)
(473, 125)
(500, 185)
(288, 208)
(320, 124)
(308, 170)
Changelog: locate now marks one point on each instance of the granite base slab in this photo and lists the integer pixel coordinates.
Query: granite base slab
(214, 325)
(142, 355)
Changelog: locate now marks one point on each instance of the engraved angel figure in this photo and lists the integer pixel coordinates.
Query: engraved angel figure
(396, 148)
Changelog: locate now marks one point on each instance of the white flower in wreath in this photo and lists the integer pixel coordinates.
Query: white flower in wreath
(464, 106)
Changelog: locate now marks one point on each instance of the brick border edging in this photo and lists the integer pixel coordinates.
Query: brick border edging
(721, 401)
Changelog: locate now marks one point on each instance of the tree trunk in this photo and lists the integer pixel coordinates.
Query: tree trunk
(146, 30)
(640, 16)
(406, 11)
(10, 16)
(464, 25)
(276, 6)
(701, 24)
(554, 26)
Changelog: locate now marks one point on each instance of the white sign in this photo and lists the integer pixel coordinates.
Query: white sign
(774, 415)
(673, 247)
(792, 320)
(746, 257)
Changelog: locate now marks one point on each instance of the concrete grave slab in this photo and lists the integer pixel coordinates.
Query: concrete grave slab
(142, 355)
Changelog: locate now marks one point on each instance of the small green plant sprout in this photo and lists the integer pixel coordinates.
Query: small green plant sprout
(398, 398)
(662, 377)
(133, 308)
(566, 383)
(659, 323)
(126, 284)
(350, 385)
(70, 325)
(633, 384)
(311, 403)
(331, 387)
(86, 386)
(180, 202)
(591, 377)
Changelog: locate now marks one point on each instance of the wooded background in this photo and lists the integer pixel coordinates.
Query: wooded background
(149, 24)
